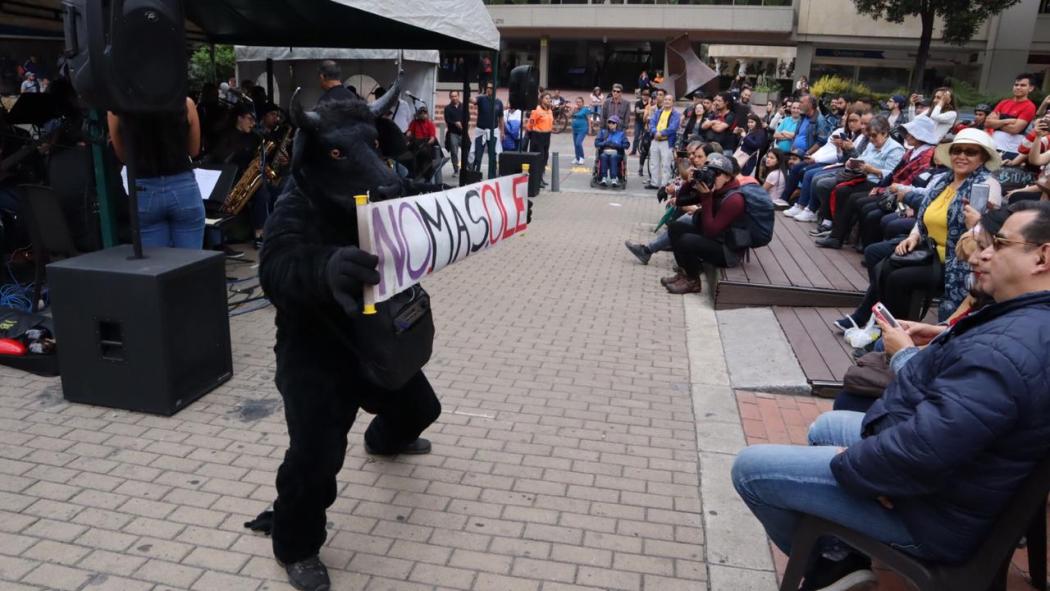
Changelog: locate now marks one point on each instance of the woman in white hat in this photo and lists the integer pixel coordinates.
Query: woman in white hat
(943, 216)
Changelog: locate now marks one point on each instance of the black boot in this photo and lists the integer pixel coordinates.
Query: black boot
(308, 575)
(838, 575)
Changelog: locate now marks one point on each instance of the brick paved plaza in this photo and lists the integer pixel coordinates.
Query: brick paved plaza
(588, 428)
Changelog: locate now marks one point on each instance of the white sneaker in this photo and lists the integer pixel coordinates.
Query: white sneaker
(806, 216)
(793, 211)
(605, 182)
(615, 183)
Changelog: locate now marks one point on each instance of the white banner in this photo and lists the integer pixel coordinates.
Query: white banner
(420, 235)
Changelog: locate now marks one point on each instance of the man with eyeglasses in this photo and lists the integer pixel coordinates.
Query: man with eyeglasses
(934, 462)
(618, 106)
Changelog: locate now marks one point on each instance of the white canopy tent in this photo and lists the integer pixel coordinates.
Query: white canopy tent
(363, 68)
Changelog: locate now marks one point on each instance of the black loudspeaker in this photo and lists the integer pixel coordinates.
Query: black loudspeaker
(149, 335)
(127, 55)
(510, 163)
(524, 88)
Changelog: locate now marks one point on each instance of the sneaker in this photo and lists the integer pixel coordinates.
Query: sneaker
(308, 575)
(417, 447)
(806, 216)
(838, 575)
(792, 211)
(821, 234)
(639, 250)
(829, 242)
(605, 182)
(231, 253)
(780, 204)
(615, 183)
(845, 323)
(822, 229)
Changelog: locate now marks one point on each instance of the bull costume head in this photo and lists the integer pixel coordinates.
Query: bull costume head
(340, 147)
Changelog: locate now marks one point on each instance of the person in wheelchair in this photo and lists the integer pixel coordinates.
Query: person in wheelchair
(611, 145)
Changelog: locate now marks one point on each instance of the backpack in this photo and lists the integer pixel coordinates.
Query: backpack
(759, 214)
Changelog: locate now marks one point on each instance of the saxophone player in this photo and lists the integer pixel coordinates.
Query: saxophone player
(241, 145)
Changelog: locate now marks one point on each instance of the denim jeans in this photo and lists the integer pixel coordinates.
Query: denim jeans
(779, 483)
(171, 211)
(610, 164)
(807, 184)
(577, 142)
(663, 241)
(795, 177)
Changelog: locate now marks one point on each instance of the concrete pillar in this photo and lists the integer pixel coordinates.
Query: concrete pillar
(1010, 38)
(803, 60)
(742, 69)
(544, 60)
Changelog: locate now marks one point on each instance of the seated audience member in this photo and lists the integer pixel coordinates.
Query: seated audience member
(691, 126)
(878, 161)
(943, 216)
(848, 143)
(1011, 117)
(937, 459)
(918, 155)
(830, 121)
(721, 121)
(679, 194)
(942, 111)
(773, 173)
(918, 334)
(830, 153)
(611, 144)
(788, 126)
(1038, 157)
(753, 141)
(895, 112)
(239, 146)
(422, 141)
(707, 238)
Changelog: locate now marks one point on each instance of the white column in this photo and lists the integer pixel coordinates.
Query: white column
(544, 60)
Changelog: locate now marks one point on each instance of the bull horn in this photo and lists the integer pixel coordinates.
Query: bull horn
(388, 100)
(301, 117)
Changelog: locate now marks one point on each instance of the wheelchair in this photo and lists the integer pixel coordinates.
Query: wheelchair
(621, 179)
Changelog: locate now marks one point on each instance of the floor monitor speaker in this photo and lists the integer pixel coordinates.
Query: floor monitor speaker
(149, 335)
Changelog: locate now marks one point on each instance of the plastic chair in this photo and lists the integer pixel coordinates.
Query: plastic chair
(48, 230)
(986, 571)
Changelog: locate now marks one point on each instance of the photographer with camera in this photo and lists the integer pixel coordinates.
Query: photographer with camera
(709, 237)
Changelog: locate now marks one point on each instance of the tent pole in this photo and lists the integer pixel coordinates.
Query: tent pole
(495, 116)
(106, 212)
(464, 141)
(214, 68)
(269, 80)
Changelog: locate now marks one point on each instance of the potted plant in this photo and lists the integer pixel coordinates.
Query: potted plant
(765, 90)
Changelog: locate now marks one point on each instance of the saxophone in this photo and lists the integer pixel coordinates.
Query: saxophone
(255, 174)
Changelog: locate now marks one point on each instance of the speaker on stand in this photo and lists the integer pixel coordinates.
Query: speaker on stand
(143, 331)
(524, 95)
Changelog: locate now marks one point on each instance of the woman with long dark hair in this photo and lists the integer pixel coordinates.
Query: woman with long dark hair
(171, 211)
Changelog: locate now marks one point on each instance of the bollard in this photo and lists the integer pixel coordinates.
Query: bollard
(555, 181)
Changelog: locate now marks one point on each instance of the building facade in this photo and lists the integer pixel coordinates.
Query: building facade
(584, 43)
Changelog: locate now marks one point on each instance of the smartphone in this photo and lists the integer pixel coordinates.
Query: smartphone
(854, 163)
(882, 313)
(979, 197)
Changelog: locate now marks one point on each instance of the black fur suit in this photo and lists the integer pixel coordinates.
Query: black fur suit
(334, 158)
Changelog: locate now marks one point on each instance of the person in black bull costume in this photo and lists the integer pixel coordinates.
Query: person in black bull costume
(313, 272)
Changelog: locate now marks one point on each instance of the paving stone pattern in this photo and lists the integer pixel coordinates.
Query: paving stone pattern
(565, 459)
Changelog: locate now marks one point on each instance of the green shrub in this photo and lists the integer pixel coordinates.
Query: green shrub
(838, 84)
(968, 96)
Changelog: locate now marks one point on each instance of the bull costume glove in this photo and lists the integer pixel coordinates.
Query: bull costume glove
(348, 270)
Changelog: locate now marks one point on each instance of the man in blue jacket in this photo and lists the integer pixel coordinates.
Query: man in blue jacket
(932, 464)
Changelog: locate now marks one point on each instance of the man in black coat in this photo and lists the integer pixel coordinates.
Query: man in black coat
(313, 272)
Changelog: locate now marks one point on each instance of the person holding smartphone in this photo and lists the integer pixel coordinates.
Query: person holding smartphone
(1038, 156)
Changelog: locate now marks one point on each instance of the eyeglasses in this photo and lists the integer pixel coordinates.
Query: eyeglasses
(617, 92)
(1000, 242)
(968, 152)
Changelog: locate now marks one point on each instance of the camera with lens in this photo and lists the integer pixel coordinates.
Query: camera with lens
(705, 175)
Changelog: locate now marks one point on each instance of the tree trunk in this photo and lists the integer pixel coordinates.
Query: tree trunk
(919, 72)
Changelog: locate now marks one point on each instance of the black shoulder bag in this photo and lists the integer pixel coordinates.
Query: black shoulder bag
(393, 344)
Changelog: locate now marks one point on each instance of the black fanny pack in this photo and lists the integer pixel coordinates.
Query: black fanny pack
(393, 344)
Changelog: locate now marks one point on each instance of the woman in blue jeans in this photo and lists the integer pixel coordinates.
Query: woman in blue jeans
(171, 211)
(581, 123)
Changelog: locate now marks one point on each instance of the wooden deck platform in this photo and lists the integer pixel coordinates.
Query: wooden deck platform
(820, 349)
(792, 271)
